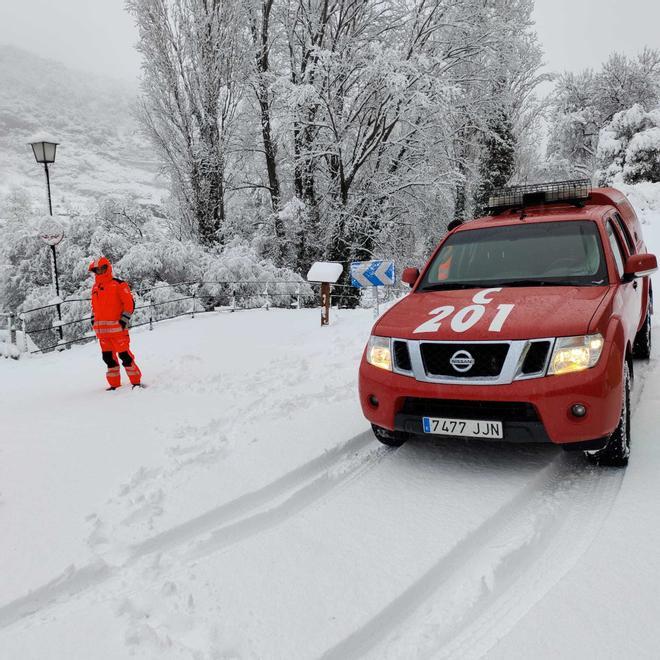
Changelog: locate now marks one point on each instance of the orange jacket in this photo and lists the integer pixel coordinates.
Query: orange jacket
(112, 301)
(444, 268)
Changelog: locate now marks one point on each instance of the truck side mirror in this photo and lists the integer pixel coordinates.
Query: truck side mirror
(639, 265)
(410, 276)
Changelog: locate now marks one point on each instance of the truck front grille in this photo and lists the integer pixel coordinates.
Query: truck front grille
(536, 357)
(402, 356)
(488, 359)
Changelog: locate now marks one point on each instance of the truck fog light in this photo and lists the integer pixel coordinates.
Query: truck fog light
(578, 410)
(373, 401)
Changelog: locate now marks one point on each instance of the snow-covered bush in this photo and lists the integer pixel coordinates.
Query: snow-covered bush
(162, 301)
(645, 197)
(160, 270)
(239, 271)
(40, 322)
(629, 147)
(643, 157)
(614, 100)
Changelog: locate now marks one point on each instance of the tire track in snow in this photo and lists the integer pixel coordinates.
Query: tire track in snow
(527, 572)
(318, 469)
(519, 592)
(239, 518)
(294, 503)
(561, 479)
(569, 501)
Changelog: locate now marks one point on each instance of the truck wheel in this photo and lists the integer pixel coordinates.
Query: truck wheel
(642, 345)
(389, 438)
(617, 450)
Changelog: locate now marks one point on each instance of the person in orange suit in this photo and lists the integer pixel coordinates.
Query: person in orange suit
(112, 308)
(445, 266)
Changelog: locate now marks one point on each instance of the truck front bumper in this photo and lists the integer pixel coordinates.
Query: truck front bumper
(534, 410)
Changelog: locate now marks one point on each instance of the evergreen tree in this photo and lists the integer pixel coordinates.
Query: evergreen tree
(498, 160)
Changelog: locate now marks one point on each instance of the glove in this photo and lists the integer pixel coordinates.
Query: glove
(122, 323)
(91, 321)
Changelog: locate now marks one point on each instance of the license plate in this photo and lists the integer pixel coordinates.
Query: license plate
(466, 428)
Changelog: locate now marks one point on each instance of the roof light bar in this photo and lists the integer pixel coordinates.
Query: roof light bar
(540, 193)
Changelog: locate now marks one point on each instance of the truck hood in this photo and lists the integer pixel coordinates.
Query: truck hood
(492, 314)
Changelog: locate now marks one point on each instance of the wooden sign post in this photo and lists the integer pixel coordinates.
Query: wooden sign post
(325, 303)
(327, 273)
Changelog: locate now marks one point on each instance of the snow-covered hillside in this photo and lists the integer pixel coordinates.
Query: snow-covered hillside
(101, 150)
(239, 507)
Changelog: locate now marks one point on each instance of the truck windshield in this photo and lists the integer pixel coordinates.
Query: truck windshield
(566, 253)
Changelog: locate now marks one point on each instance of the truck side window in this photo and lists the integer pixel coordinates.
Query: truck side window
(616, 247)
(626, 233)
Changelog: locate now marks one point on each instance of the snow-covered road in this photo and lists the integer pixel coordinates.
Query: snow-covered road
(239, 508)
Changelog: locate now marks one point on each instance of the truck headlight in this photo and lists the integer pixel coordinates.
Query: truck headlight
(379, 352)
(575, 354)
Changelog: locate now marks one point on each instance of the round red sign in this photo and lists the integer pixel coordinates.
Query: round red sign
(51, 232)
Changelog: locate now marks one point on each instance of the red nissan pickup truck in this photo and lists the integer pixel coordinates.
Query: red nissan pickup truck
(522, 327)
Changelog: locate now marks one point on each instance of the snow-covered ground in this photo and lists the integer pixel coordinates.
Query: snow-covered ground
(238, 507)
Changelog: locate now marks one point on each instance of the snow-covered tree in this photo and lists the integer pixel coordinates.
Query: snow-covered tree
(629, 147)
(498, 161)
(585, 102)
(387, 105)
(191, 75)
(365, 117)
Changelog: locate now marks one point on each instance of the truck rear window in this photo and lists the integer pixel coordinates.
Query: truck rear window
(566, 253)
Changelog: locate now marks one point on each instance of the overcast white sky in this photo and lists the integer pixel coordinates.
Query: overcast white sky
(577, 34)
(96, 35)
(99, 35)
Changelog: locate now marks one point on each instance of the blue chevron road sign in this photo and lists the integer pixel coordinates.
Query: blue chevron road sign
(372, 273)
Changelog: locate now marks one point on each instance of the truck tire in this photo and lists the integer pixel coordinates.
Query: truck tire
(617, 450)
(389, 438)
(642, 345)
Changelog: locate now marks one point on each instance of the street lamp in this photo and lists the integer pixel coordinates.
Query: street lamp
(44, 153)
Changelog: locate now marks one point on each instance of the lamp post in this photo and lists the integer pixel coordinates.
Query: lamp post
(44, 153)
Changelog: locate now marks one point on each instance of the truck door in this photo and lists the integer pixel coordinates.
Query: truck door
(628, 299)
(631, 243)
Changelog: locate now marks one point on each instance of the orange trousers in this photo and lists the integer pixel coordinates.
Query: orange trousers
(118, 346)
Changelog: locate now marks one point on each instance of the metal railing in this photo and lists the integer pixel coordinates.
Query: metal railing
(35, 330)
(183, 299)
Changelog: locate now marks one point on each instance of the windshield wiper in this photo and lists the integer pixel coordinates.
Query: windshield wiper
(535, 282)
(445, 286)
